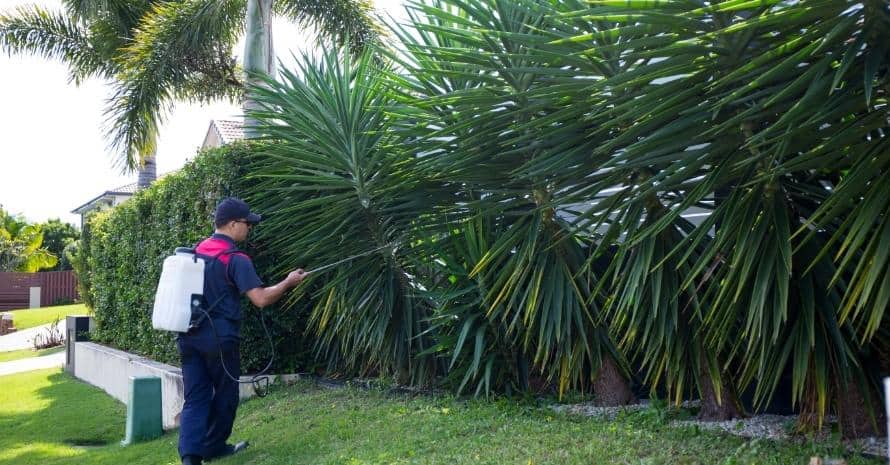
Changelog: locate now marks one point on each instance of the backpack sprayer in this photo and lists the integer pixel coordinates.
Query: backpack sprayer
(180, 297)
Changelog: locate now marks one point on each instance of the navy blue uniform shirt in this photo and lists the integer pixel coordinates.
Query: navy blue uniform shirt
(226, 279)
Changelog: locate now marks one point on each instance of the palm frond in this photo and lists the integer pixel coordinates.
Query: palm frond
(345, 22)
(180, 51)
(115, 18)
(55, 36)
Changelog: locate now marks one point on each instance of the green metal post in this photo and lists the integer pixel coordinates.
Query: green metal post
(144, 420)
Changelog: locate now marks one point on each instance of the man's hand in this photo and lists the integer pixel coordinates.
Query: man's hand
(264, 296)
(296, 277)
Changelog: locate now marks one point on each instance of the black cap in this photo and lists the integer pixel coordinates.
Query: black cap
(230, 209)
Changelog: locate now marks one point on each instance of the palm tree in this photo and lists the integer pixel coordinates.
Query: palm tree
(183, 51)
(156, 52)
(87, 36)
(258, 53)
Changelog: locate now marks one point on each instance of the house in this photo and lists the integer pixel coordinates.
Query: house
(222, 132)
(107, 199)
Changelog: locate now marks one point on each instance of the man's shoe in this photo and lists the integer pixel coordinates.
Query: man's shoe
(239, 446)
(191, 460)
(229, 449)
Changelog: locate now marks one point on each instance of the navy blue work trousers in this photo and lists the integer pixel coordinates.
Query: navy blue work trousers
(211, 397)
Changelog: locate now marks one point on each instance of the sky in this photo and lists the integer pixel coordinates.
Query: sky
(53, 152)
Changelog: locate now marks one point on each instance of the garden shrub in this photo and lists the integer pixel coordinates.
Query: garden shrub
(124, 248)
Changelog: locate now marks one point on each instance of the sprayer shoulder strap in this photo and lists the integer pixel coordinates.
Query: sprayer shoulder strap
(228, 253)
(211, 306)
(218, 256)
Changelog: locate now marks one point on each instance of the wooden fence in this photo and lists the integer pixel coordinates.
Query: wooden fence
(15, 288)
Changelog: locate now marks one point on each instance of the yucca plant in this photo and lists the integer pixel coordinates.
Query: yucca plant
(527, 164)
(780, 299)
(764, 106)
(482, 358)
(657, 320)
(341, 185)
(470, 68)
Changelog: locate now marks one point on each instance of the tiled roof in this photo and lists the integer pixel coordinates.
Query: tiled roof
(229, 130)
(125, 189)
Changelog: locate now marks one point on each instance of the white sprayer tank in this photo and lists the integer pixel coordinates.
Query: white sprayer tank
(182, 277)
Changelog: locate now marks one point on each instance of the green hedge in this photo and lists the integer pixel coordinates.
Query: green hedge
(124, 248)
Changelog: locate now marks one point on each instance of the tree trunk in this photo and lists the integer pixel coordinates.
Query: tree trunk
(856, 417)
(257, 54)
(610, 387)
(714, 408)
(148, 172)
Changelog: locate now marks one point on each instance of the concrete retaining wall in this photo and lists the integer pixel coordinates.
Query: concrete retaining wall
(110, 370)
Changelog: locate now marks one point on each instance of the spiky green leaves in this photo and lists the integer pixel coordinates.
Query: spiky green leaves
(336, 183)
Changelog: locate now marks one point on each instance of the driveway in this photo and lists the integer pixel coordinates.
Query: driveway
(23, 339)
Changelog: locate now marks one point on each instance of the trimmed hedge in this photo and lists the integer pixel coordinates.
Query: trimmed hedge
(124, 248)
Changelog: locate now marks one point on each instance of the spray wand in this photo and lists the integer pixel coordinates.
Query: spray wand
(347, 259)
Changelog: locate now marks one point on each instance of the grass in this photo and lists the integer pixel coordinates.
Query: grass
(43, 413)
(31, 317)
(28, 353)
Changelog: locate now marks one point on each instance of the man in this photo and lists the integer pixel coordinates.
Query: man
(211, 396)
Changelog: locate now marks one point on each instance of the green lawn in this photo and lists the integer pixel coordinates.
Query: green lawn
(29, 318)
(43, 413)
(27, 353)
